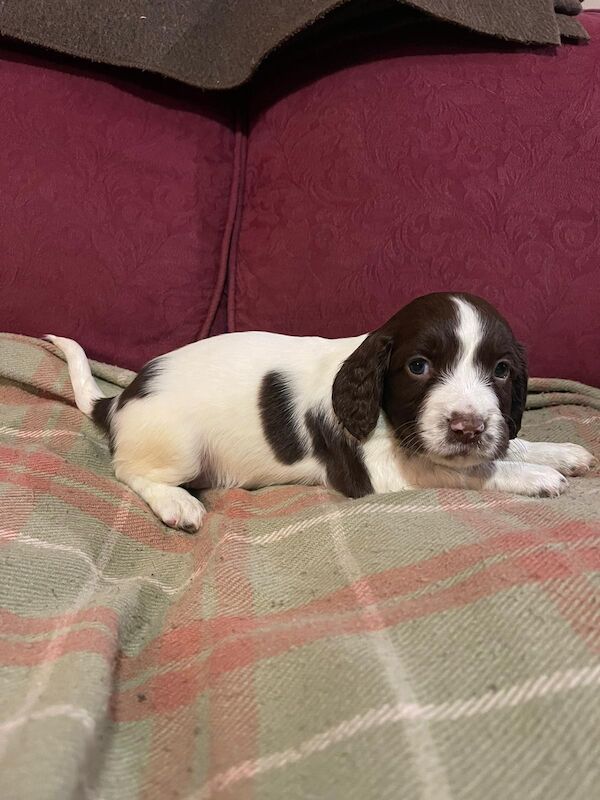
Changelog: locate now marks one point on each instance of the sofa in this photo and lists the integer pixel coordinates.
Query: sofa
(429, 644)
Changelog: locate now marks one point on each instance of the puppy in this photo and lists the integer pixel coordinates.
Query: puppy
(433, 398)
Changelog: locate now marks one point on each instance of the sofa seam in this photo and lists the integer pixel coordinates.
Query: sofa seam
(222, 277)
(232, 262)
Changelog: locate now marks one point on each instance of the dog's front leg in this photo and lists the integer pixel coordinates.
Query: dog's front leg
(534, 480)
(570, 459)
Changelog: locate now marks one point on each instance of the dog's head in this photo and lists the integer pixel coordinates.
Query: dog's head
(449, 375)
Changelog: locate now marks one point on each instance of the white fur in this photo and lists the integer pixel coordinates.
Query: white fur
(85, 388)
(203, 407)
(536, 480)
(569, 459)
(205, 400)
(209, 393)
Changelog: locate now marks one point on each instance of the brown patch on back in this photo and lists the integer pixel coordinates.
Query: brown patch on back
(276, 402)
(341, 456)
(141, 385)
(104, 408)
(101, 414)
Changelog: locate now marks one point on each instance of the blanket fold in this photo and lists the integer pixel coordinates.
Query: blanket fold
(218, 45)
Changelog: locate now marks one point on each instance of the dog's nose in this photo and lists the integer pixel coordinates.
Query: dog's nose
(466, 427)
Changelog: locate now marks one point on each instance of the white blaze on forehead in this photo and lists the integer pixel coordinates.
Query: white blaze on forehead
(464, 388)
(469, 334)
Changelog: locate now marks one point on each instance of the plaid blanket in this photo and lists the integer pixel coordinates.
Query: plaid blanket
(429, 644)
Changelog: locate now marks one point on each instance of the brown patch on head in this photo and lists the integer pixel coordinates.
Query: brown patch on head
(378, 375)
(375, 376)
(425, 328)
(358, 385)
(518, 397)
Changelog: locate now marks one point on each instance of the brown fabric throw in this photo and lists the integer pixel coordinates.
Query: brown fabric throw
(218, 44)
(570, 7)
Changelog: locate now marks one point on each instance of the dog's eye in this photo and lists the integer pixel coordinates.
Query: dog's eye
(418, 366)
(501, 370)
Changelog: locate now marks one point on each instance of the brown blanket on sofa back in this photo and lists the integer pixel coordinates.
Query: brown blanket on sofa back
(217, 44)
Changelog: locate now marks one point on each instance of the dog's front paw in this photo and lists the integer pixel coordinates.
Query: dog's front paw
(571, 459)
(533, 480)
(541, 481)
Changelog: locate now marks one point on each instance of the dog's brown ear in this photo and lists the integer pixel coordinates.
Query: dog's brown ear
(358, 386)
(519, 391)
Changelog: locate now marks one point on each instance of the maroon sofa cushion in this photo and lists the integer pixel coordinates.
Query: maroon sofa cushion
(421, 168)
(114, 203)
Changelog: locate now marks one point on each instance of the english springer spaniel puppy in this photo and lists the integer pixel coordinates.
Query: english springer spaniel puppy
(433, 398)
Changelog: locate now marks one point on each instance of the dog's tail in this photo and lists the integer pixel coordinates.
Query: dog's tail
(86, 390)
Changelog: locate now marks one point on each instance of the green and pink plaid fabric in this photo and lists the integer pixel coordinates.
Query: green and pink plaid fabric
(441, 645)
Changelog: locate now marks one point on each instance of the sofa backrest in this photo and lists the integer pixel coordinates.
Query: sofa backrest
(138, 216)
(115, 205)
(393, 170)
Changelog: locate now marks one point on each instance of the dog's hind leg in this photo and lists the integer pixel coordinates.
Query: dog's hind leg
(155, 455)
